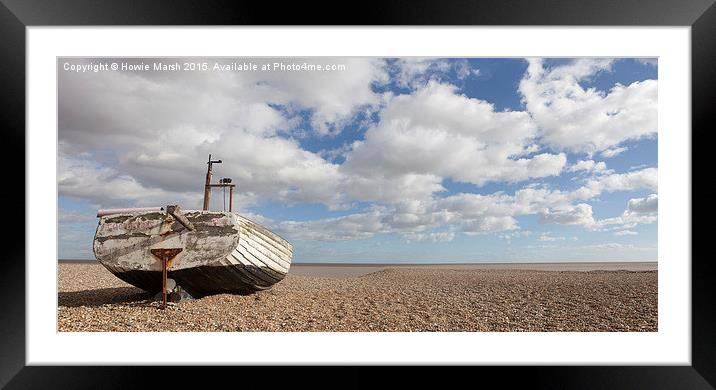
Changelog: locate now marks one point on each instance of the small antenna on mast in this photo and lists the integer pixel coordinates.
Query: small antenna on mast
(224, 182)
(207, 184)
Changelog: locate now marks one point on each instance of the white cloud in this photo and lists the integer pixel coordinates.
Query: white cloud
(262, 167)
(464, 70)
(140, 137)
(156, 148)
(647, 205)
(609, 246)
(489, 224)
(106, 186)
(648, 61)
(576, 119)
(579, 214)
(626, 233)
(351, 227)
(613, 152)
(429, 237)
(382, 187)
(333, 97)
(646, 178)
(437, 132)
(639, 211)
(588, 166)
(470, 214)
(514, 234)
(142, 140)
(547, 237)
(414, 73)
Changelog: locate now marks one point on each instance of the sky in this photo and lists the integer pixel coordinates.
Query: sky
(374, 160)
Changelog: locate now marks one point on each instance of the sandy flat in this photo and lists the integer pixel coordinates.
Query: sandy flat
(546, 297)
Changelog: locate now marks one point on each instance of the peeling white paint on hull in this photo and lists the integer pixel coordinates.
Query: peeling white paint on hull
(224, 253)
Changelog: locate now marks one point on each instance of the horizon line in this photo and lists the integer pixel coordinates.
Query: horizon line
(431, 263)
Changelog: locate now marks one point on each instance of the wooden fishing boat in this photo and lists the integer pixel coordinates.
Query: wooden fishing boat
(202, 251)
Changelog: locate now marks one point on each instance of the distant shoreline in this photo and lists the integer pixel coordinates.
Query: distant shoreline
(358, 269)
(84, 261)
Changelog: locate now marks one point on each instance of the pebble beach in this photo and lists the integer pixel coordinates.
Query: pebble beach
(377, 298)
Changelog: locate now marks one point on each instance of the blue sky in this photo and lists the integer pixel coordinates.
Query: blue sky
(388, 160)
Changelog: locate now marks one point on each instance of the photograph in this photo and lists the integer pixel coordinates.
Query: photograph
(475, 184)
(357, 194)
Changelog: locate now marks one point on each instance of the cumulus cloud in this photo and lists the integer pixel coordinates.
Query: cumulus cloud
(648, 61)
(579, 214)
(430, 237)
(275, 168)
(646, 178)
(464, 70)
(385, 187)
(588, 166)
(436, 131)
(415, 72)
(648, 205)
(613, 152)
(350, 227)
(578, 119)
(127, 136)
(515, 234)
(412, 72)
(489, 224)
(104, 186)
(470, 214)
(129, 139)
(547, 237)
(639, 211)
(333, 97)
(145, 133)
(609, 246)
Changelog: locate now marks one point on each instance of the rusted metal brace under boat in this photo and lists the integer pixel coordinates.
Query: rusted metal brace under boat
(166, 255)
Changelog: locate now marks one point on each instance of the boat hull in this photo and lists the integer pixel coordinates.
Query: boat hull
(225, 253)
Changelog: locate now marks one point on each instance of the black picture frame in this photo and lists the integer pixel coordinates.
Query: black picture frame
(16, 15)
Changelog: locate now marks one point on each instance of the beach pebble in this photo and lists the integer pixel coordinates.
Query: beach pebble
(393, 300)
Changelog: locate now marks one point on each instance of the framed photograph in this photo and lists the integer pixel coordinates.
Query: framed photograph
(443, 184)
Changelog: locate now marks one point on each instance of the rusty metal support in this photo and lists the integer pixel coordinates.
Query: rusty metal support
(231, 196)
(164, 283)
(166, 255)
(222, 185)
(207, 185)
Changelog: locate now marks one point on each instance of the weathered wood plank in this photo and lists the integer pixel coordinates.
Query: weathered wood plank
(256, 269)
(266, 241)
(247, 269)
(270, 263)
(257, 257)
(268, 250)
(265, 254)
(267, 232)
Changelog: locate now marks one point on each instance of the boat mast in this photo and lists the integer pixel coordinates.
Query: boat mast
(207, 185)
(225, 182)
